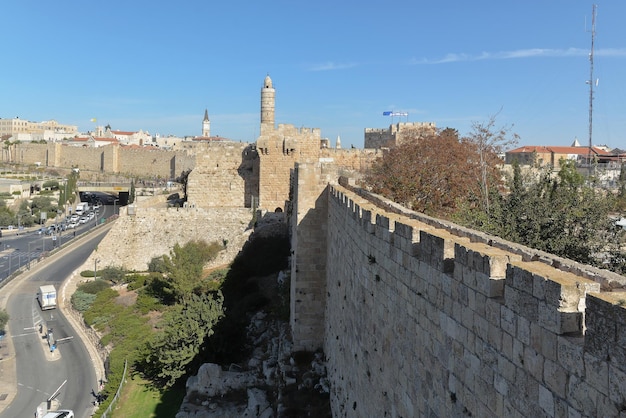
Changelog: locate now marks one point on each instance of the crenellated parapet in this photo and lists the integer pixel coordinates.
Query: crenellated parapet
(425, 318)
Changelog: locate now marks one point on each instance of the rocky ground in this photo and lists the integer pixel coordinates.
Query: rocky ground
(274, 382)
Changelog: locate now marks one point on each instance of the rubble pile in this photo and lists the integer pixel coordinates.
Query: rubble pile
(273, 383)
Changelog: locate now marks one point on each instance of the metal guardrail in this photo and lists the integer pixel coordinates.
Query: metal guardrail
(116, 397)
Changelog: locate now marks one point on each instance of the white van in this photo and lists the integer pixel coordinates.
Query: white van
(81, 208)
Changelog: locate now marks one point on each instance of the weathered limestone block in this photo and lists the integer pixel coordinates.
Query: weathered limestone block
(554, 298)
(606, 325)
(436, 247)
(211, 380)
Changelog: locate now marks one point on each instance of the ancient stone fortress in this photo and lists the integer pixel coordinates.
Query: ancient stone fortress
(416, 316)
(397, 134)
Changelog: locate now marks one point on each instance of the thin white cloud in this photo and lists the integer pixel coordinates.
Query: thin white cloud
(331, 66)
(611, 52)
(521, 53)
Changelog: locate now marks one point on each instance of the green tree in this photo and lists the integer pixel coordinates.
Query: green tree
(25, 214)
(68, 191)
(183, 331)
(157, 265)
(51, 184)
(112, 274)
(7, 217)
(4, 319)
(184, 266)
(43, 204)
(560, 215)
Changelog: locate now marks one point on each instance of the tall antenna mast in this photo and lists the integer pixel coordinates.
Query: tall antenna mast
(590, 82)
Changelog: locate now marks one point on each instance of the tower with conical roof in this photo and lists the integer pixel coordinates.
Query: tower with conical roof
(206, 125)
(268, 105)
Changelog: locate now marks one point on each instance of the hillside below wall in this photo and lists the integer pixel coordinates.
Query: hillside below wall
(421, 322)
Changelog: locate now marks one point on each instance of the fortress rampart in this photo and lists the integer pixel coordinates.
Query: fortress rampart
(152, 232)
(420, 317)
(141, 162)
(396, 134)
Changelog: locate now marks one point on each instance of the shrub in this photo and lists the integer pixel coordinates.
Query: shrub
(157, 264)
(93, 286)
(51, 184)
(146, 303)
(81, 301)
(4, 318)
(113, 274)
(136, 281)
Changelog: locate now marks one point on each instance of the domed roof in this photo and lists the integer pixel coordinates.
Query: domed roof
(268, 82)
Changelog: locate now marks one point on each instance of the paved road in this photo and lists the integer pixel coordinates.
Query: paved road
(30, 372)
(19, 248)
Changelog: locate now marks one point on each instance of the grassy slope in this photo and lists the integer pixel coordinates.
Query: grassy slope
(141, 400)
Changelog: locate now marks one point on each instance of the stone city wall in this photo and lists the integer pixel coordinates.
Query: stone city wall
(396, 134)
(152, 232)
(350, 159)
(29, 153)
(425, 320)
(110, 159)
(85, 158)
(153, 163)
(226, 174)
(279, 150)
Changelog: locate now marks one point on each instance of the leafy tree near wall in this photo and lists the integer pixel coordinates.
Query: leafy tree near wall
(437, 173)
(561, 215)
(43, 204)
(51, 184)
(183, 269)
(7, 217)
(184, 329)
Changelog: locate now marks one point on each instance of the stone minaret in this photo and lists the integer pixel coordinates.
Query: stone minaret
(268, 105)
(338, 146)
(206, 125)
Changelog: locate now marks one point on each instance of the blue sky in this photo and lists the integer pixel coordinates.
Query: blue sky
(336, 65)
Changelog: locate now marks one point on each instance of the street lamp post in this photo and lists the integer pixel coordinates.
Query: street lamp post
(29, 255)
(95, 268)
(115, 206)
(65, 196)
